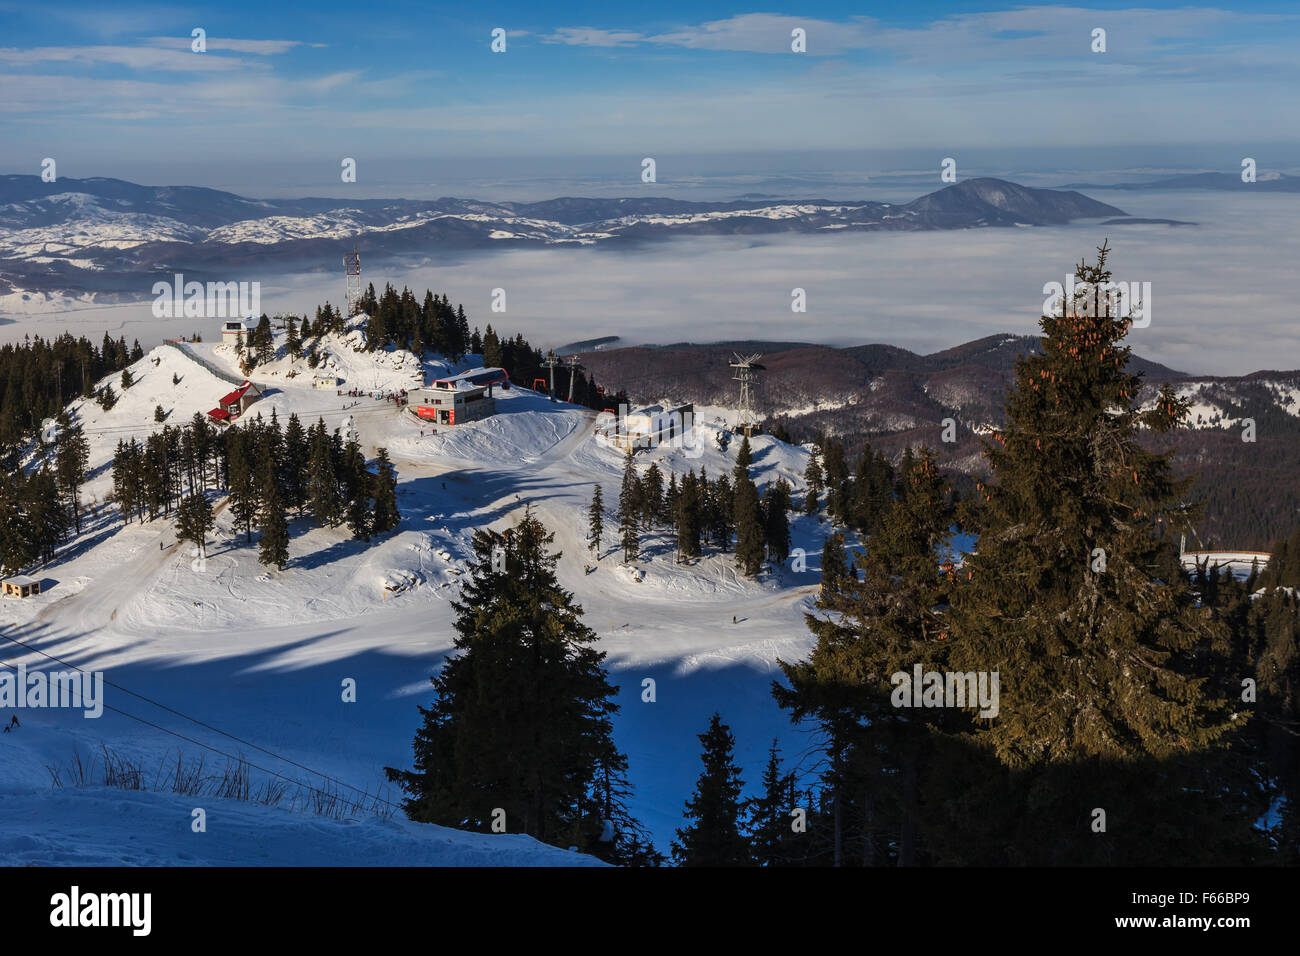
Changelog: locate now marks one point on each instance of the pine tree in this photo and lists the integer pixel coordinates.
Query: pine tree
(383, 490)
(671, 495)
(296, 454)
(46, 513)
(812, 476)
(1103, 664)
(322, 484)
(15, 530)
(194, 520)
(744, 458)
(522, 714)
(770, 830)
(127, 380)
(886, 624)
(292, 340)
(688, 519)
(595, 520)
(1072, 483)
(652, 494)
(749, 527)
(273, 548)
(356, 487)
(244, 502)
(263, 346)
(712, 835)
(834, 562)
(629, 507)
(721, 526)
(776, 520)
(70, 460)
(159, 414)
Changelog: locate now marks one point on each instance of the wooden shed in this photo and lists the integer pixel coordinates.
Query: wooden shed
(21, 586)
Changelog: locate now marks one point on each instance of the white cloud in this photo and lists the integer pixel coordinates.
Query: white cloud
(134, 57)
(591, 36)
(257, 47)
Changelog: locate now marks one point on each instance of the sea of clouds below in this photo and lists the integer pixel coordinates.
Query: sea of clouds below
(1220, 289)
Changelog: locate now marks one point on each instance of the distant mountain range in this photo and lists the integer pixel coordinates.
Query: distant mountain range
(1267, 182)
(112, 237)
(894, 398)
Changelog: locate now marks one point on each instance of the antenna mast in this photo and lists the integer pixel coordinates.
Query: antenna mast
(352, 264)
(746, 367)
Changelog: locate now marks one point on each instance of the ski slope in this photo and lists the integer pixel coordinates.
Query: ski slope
(259, 657)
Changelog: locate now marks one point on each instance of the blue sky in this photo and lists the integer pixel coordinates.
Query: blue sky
(283, 92)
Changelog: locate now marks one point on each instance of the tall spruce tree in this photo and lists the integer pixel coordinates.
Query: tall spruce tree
(356, 489)
(244, 503)
(292, 340)
(835, 566)
(812, 476)
(522, 714)
(1115, 680)
(71, 458)
(1061, 592)
(384, 516)
(595, 520)
(296, 453)
(652, 494)
(273, 548)
(629, 508)
(749, 527)
(744, 458)
(688, 523)
(770, 831)
(712, 836)
(323, 496)
(194, 520)
(867, 632)
(776, 520)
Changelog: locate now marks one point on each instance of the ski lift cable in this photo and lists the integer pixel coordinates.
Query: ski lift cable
(207, 726)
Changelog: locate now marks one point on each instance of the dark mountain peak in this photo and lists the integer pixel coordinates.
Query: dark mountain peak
(985, 200)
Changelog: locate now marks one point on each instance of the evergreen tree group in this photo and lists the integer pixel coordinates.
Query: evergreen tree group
(1121, 706)
(705, 514)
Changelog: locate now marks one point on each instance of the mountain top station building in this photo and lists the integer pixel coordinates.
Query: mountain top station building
(474, 377)
(645, 427)
(235, 332)
(458, 399)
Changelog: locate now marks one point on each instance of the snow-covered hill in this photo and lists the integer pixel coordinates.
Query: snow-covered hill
(100, 826)
(261, 655)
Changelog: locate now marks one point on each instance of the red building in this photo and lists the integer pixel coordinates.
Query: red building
(233, 404)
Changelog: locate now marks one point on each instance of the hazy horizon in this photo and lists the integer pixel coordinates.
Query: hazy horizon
(925, 291)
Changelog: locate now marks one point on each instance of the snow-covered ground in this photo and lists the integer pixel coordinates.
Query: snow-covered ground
(262, 655)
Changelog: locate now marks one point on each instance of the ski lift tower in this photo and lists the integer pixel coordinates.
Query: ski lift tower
(746, 366)
(352, 263)
(550, 362)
